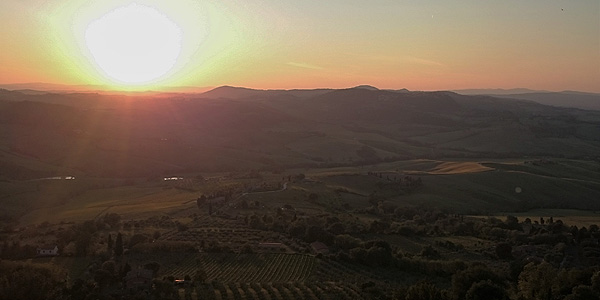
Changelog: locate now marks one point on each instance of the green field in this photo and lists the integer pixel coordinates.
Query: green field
(465, 186)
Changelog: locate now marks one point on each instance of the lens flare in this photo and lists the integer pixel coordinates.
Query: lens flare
(134, 44)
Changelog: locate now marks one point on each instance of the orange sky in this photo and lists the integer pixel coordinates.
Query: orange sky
(419, 45)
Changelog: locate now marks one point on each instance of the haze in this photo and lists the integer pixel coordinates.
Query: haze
(421, 45)
(288, 150)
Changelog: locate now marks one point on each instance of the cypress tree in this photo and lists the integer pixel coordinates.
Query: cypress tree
(119, 245)
(109, 244)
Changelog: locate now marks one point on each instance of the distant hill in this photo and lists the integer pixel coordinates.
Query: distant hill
(497, 91)
(572, 99)
(46, 87)
(231, 128)
(562, 99)
(230, 92)
(366, 87)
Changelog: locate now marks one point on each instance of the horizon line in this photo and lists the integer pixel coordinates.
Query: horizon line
(93, 88)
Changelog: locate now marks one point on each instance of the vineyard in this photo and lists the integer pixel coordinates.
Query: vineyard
(246, 267)
(261, 276)
(274, 276)
(277, 291)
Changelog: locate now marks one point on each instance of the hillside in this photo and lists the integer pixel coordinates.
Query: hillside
(355, 193)
(572, 99)
(125, 136)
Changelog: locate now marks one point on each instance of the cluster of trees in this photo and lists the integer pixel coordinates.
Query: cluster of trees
(547, 259)
(477, 281)
(24, 281)
(397, 183)
(79, 239)
(82, 239)
(14, 250)
(552, 246)
(162, 221)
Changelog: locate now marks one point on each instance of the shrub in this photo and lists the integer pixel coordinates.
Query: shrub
(463, 280)
(423, 291)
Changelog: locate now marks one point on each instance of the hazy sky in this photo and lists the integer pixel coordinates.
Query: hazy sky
(419, 45)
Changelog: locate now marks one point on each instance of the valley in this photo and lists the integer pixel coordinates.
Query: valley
(305, 194)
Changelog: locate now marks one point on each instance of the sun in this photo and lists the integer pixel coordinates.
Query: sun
(134, 44)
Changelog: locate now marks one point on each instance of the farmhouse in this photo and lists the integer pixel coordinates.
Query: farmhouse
(47, 251)
(319, 248)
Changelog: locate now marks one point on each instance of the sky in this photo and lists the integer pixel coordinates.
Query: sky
(419, 45)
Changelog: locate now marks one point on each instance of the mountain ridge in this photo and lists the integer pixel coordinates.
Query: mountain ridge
(275, 129)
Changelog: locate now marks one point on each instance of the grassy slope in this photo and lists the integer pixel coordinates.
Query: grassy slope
(463, 186)
(470, 186)
(129, 201)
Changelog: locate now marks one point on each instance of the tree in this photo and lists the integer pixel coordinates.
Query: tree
(429, 252)
(112, 219)
(512, 223)
(109, 266)
(486, 290)
(109, 243)
(596, 281)
(102, 277)
(336, 228)
(29, 281)
(378, 256)
(123, 270)
(463, 280)
(137, 239)
(82, 242)
(535, 281)
(378, 226)
(504, 251)
(374, 199)
(317, 233)
(297, 230)
(346, 242)
(423, 291)
(583, 292)
(164, 289)
(153, 266)
(119, 245)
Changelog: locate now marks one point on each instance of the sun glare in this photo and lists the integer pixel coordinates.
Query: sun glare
(134, 44)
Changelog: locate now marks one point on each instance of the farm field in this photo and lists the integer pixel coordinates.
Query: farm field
(360, 232)
(486, 186)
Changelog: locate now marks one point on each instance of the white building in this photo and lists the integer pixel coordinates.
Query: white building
(47, 251)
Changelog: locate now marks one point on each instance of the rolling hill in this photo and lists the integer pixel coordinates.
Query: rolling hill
(570, 99)
(456, 143)
(235, 128)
